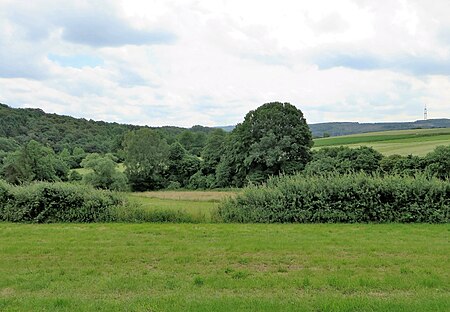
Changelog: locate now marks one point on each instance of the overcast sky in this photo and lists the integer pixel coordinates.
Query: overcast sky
(209, 62)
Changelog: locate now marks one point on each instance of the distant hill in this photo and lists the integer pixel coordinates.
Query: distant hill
(345, 128)
(59, 132)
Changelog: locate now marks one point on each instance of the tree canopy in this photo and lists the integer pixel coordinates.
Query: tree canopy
(146, 154)
(272, 139)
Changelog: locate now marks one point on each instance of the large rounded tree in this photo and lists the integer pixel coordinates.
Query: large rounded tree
(273, 139)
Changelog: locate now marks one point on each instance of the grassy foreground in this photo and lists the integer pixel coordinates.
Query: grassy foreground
(224, 267)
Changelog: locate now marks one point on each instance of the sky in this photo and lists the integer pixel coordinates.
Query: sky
(184, 63)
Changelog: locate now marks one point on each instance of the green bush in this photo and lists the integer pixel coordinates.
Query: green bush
(5, 193)
(55, 202)
(341, 198)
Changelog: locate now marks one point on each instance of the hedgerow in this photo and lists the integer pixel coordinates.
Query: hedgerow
(341, 198)
(56, 202)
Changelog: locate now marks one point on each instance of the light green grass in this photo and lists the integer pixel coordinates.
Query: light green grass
(403, 142)
(224, 267)
(83, 171)
(201, 206)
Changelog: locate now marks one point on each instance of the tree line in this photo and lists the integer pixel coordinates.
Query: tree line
(272, 140)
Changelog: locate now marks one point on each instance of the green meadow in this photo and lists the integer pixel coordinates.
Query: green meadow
(403, 142)
(199, 206)
(224, 267)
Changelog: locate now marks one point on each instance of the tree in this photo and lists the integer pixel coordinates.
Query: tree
(193, 142)
(34, 162)
(181, 165)
(213, 151)
(344, 160)
(7, 146)
(78, 154)
(438, 162)
(146, 156)
(273, 139)
(104, 173)
(397, 164)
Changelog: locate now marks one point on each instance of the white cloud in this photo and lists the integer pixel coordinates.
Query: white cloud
(336, 60)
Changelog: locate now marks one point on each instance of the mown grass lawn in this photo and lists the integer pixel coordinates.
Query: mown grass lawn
(224, 267)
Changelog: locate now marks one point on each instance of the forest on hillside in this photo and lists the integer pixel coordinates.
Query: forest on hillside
(272, 140)
(20, 125)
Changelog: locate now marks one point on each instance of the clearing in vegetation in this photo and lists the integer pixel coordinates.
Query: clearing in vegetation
(224, 267)
(188, 206)
(403, 142)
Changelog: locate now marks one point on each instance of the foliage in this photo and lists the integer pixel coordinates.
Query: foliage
(55, 202)
(34, 162)
(145, 159)
(59, 132)
(344, 160)
(75, 176)
(193, 142)
(396, 164)
(200, 181)
(342, 198)
(7, 146)
(181, 165)
(272, 139)
(103, 173)
(213, 151)
(438, 162)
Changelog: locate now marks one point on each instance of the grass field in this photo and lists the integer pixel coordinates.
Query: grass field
(404, 142)
(224, 267)
(200, 205)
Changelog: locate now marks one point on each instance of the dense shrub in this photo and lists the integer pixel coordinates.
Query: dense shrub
(341, 198)
(344, 159)
(438, 162)
(55, 202)
(404, 165)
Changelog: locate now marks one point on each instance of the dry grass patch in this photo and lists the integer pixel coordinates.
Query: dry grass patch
(208, 196)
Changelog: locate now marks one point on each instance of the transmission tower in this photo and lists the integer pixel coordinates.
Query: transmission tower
(425, 113)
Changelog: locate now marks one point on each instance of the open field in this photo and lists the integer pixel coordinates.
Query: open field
(404, 142)
(199, 210)
(224, 267)
(200, 206)
(202, 196)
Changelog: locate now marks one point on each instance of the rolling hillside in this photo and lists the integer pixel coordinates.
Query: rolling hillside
(403, 142)
(59, 131)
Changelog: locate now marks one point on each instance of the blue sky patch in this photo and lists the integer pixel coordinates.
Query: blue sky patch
(77, 60)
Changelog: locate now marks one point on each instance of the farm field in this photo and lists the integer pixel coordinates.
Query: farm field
(224, 267)
(403, 142)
